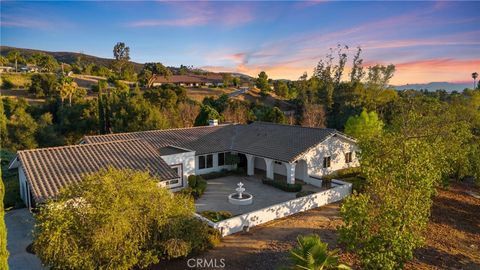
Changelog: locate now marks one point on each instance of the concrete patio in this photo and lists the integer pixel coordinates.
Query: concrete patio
(215, 197)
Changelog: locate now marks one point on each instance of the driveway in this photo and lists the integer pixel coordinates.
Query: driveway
(19, 235)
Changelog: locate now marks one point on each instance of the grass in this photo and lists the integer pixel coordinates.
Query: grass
(10, 180)
(19, 80)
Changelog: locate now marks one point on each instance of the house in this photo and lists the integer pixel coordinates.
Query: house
(4, 69)
(30, 69)
(173, 154)
(190, 80)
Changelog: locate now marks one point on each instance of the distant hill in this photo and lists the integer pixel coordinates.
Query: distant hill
(67, 57)
(70, 58)
(433, 86)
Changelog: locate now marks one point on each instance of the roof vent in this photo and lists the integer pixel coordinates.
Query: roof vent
(213, 122)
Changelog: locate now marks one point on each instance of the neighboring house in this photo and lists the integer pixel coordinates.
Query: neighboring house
(4, 69)
(29, 69)
(173, 154)
(190, 80)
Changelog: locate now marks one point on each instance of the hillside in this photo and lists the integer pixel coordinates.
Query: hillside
(433, 86)
(67, 57)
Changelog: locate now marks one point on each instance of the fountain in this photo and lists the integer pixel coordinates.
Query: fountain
(240, 197)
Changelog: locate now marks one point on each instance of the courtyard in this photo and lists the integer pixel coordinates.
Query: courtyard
(215, 197)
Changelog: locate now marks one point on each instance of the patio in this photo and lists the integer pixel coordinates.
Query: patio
(215, 197)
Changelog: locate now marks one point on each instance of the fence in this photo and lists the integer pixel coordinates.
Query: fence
(280, 210)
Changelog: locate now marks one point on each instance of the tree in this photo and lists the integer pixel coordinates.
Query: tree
(21, 129)
(43, 85)
(3, 229)
(281, 88)
(313, 116)
(275, 115)
(474, 77)
(227, 79)
(262, 83)
(207, 112)
(14, 56)
(123, 67)
(150, 71)
(386, 223)
(313, 254)
(364, 126)
(46, 134)
(67, 89)
(108, 221)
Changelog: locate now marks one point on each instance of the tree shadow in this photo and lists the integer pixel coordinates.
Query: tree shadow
(443, 260)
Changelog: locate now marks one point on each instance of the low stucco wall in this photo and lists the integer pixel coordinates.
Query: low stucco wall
(238, 223)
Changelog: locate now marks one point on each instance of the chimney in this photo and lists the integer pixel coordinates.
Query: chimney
(213, 122)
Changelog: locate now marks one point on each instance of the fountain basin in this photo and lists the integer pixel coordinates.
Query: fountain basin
(246, 199)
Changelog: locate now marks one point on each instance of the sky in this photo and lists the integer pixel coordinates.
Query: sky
(426, 40)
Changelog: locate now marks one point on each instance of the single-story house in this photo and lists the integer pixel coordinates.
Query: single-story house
(4, 69)
(172, 155)
(190, 80)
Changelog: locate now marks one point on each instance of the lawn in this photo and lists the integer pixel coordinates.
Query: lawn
(19, 80)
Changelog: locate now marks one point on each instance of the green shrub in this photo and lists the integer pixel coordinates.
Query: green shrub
(192, 181)
(311, 253)
(175, 248)
(197, 186)
(283, 185)
(195, 233)
(216, 216)
(343, 173)
(214, 175)
(7, 84)
(358, 183)
(304, 193)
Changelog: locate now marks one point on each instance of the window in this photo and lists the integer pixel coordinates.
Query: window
(326, 162)
(205, 162)
(201, 162)
(221, 159)
(278, 162)
(348, 157)
(209, 161)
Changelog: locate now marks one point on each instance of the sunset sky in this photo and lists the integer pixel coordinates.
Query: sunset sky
(427, 41)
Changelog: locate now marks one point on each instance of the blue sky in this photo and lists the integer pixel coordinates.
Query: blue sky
(427, 41)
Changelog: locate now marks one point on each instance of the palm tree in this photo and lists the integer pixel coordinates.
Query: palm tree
(474, 77)
(313, 254)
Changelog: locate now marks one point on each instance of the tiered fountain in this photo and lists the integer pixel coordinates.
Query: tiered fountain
(240, 197)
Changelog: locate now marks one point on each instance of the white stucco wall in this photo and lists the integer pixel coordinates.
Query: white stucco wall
(259, 163)
(187, 160)
(254, 218)
(335, 147)
(215, 167)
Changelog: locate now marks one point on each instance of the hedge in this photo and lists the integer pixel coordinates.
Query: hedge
(282, 185)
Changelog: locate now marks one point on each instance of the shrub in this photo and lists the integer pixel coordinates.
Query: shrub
(197, 185)
(304, 193)
(192, 181)
(7, 84)
(283, 185)
(196, 235)
(216, 216)
(343, 173)
(313, 254)
(114, 225)
(214, 175)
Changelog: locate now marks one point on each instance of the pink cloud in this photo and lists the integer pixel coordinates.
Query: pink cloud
(201, 13)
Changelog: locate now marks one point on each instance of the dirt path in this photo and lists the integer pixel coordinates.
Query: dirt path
(267, 246)
(452, 237)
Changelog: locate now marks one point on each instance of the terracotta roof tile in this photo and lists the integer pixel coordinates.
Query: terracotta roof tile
(48, 170)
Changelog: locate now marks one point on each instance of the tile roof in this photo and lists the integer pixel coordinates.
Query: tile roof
(48, 170)
(192, 78)
(279, 142)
